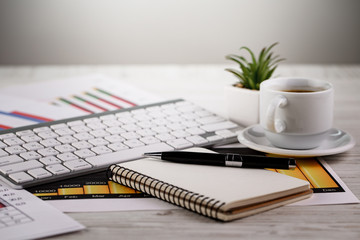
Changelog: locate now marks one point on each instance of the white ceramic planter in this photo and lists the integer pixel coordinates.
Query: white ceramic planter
(242, 105)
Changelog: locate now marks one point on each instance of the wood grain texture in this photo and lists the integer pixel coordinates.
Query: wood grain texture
(203, 84)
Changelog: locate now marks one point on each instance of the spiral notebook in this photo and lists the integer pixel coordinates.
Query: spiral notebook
(222, 193)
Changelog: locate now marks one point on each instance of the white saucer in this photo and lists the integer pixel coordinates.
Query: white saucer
(337, 141)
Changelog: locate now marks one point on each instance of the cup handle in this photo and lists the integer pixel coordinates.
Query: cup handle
(272, 123)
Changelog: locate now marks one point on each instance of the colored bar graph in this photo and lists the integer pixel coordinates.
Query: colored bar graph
(32, 116)
(96, 189)
(46, 194)
(119, 189)
(71, 191)
(103, 100)
(114, 96)
(26, 116)
(90, 103)
(75, 105)
(3, 127)
(316, 174)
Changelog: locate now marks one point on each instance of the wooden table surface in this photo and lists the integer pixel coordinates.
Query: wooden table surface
(204, 84)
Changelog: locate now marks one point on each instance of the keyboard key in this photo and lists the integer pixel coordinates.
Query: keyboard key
(115, 130)
(3, 153)
(21, 177)
(195, 131)
(126, 155)
(47, 134)
(197, 140)
(57, 169)
(64, 131)
(7, 135)
(99, 133)
(117, 146)
(114, 138)
(219, 126)
(82, 145)
(75, 123)
(145, 132)
(130, 135)
(96, 125)
(13, 141)
(41, 129)
(67, 156)
(98, 142)
(180, 133)
(84, 153)
(101, 150)
(31, 138)
(133, 143)
(226, 133)
(15, 149)
(165, 136)
(83, 136)
(47, 151)
(149, 140)
(58, 126)
(10, 160)
(24, 133)
(39, 173)
(50, 160)
(65, 148)
(30, 155)
(19, 167)
(66, 139)
(80, 128)
(50, 142)
(214, 138)
(33, 146)
(179, 143)
(77, 165)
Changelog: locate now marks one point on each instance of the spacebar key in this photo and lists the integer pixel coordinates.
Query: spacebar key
(126, 155)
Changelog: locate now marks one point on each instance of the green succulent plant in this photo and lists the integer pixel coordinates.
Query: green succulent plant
(251, 74)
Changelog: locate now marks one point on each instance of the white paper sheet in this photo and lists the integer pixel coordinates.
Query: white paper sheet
(323, 196)
(16, 112)
(94, 93)
(24, 216)
(326, 198)
(108, 205)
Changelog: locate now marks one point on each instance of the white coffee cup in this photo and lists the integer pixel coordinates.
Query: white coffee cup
(296, 113)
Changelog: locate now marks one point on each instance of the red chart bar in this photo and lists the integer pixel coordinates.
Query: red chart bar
(32, 116)
(114, 96)
(74, 105)
(4, 127)
(90, 103)
(103, 100)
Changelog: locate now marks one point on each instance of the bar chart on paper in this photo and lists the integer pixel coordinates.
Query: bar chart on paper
(17, 112)
(94, 186)
(89, 94)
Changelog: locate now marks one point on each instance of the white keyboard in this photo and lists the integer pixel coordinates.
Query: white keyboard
(47, 152)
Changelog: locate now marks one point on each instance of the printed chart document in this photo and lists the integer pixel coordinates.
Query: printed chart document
(16, 111)
(327, 186)
(89, 94)
(24, 216)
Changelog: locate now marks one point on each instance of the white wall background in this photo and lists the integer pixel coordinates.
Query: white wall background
(176, 31)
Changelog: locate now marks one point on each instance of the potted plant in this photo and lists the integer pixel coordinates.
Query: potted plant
(243, 96)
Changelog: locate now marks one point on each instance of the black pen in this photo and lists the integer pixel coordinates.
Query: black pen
(229, 160)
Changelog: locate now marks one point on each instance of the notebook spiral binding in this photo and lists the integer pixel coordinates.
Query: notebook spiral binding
(189, 200)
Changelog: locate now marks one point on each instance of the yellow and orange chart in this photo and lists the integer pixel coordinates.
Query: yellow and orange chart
(97, 185)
